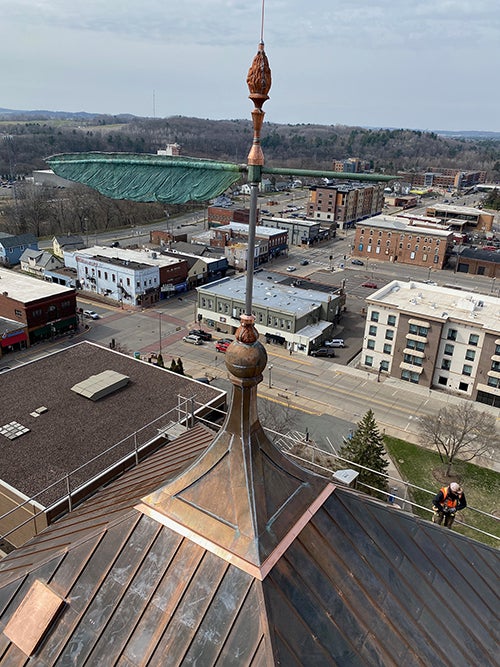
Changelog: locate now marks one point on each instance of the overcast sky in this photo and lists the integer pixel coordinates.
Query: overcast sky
(428, 64)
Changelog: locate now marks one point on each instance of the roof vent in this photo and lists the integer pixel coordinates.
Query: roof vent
(97, 386)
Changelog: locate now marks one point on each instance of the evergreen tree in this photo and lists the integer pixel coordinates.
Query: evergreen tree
(159, 361)
(173, 366)
(366, 447)
(180, 367)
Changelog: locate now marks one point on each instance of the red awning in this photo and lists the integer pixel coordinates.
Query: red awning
(7, 340)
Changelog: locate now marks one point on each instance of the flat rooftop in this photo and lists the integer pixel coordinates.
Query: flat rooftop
(25, 288)
(298, 222)
(140, 258)
(268, 293)
(399, 225)
(440, 303)
(73, 429)
(454, 208)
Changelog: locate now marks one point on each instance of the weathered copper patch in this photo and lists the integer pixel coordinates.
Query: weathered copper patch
(32, 618)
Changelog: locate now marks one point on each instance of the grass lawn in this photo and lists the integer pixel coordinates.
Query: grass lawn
(424, 468)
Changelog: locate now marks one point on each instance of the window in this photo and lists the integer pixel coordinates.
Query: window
(494, 382)
(470, 355)
(374, 316)
(391, 320)
(19, 313)
(467, 369)
(384, 365)
(463, 386)
(389, 334)
(105, 275)
(410, 376)
(415, 345)
(370, 344)
(411, 359)
(387, 348)
(99, 273)
(445, 364)
(128, 282)
(372, 331)
(418, 330)
(497, 349)
(452, 334)
(368, 361)
(495, 366)
(473, 339)
(442, 380)
(448, 349)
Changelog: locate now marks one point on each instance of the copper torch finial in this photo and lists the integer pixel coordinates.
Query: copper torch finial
(259, 84)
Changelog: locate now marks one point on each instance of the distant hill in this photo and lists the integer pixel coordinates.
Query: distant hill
(44, 114)
(34, 135)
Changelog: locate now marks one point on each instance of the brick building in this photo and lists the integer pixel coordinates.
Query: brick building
(223, 216)
(41, 309)
(462, 218)
(386, 238)
(446, 179)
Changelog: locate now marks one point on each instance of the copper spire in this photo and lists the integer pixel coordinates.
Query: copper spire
(243, 499)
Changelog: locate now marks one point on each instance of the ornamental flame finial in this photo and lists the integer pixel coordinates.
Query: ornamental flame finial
(259, 84)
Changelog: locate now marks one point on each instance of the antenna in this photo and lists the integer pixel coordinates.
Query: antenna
(154, 104)
(262, 23)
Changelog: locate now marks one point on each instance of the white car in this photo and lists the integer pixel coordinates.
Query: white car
(92, 315)
(194, 340)
(290, 268)
(336, 342)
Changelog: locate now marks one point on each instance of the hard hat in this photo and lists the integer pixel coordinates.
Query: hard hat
(455, 487)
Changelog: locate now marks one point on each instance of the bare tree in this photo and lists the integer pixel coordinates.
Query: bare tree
(277, 417)
(459, 431)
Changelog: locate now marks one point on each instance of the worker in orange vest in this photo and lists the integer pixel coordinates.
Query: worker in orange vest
(449, 500)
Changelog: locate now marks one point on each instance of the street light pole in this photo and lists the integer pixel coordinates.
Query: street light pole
(270, 368)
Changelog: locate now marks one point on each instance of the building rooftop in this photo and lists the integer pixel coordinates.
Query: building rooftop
(26, 289)
(260, 230)
(399, 225)
(440, 303)
(73, 429)
(269, 294)
(142, 258)
(298, 222)
(454, 208)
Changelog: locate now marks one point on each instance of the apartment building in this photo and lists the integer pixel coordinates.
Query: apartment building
(446, 179)
(436, 337)
(352, 165)
(391, 239)
(300, 232)
(346, 203)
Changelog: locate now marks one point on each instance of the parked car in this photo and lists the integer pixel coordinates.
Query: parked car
(369, 284)
(204, 335)
(335, 342)
(304, 262)
(357, 262)
(115, 244)
(90, 314)
(223, 344)
(290, 268)
(194, 340)
(323, 352)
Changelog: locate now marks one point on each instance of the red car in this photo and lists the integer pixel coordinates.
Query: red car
(223, 344)
(370, 285)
